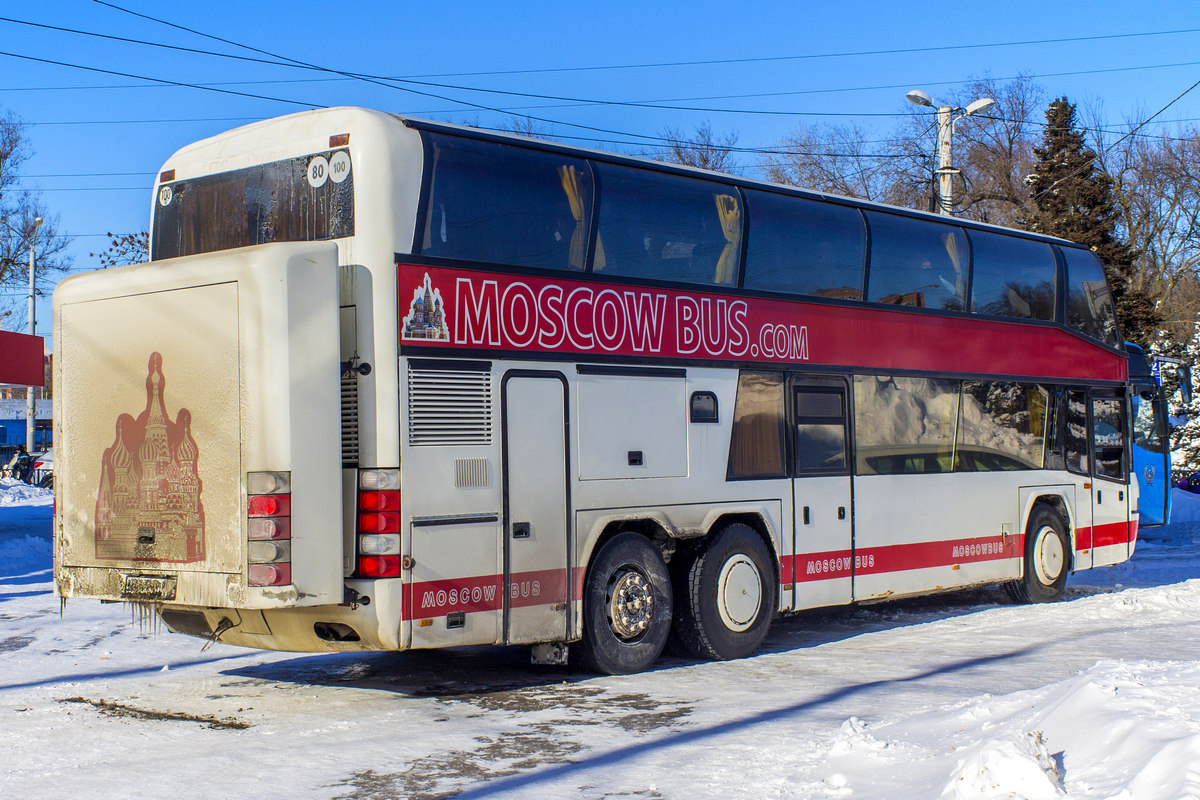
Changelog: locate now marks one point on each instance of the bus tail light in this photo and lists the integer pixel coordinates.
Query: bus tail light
(378, 517)
(269, 528)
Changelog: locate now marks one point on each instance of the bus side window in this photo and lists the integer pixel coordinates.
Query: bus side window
(1077, 431)
(1108, 437)
(757, 445)
(1054, 431)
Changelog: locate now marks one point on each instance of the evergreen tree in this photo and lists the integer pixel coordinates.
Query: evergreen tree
(1185, 440)
(1073, 200)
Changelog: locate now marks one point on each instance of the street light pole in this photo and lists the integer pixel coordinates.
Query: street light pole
(945, 172)
(30, 414)
(945, 130)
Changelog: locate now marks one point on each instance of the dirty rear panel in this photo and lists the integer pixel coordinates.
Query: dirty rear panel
(172, 381)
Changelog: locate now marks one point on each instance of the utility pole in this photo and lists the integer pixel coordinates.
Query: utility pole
(945, 130)
(945, 172)
(30, 405)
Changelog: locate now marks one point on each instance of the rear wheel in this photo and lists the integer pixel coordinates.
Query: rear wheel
(626, 606)
(726, 596)
(1047, 558)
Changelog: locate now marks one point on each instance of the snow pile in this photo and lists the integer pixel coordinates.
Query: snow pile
(1185, 506)
(19, 493)
(1005, 769)
(24, 554)
(1118, 730)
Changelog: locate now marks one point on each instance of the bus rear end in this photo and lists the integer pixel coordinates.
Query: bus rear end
(198, 442)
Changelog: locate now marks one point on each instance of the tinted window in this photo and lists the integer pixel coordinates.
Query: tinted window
(1148, 424)
(508, 205)
(820, 416)
(1012, 277)
(1002, 426)
(667, 227)
(1089, 303)
(803, 246)
(904, 425)
(916, 263)
(756, 446)
(1108, 437)
(1076, 433)
(274, 202)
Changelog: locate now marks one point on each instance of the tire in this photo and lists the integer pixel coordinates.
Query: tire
(1047, 560)
(626, 606)
(726, 595)
(47, 482)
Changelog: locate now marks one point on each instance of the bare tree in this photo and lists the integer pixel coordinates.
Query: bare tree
(837, 159)
(124, 248)
(19, 211)
(703, 148)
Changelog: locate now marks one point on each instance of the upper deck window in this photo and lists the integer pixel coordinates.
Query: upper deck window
(1090, 307)
(666, 227)
(801, 246)
(304, 199)
(915, 262)
(494, 203)
(1012, 277)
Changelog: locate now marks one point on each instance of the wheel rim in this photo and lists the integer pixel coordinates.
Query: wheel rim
(630, 603)
(1048, 555)
(739, 592)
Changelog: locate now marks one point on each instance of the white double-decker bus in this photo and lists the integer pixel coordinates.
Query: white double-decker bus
(392, 384)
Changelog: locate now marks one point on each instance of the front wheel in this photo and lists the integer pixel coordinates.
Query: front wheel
(727, 595)
(1047, 558)
(626, 606)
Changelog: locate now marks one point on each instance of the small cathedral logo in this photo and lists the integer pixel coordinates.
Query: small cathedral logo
(149, 507)
(426, 315)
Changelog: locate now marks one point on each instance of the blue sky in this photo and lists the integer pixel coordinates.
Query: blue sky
(98, 139)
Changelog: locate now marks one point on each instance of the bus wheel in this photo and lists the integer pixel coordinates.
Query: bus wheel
(728, 595)
(1047, 558)
(626, 606)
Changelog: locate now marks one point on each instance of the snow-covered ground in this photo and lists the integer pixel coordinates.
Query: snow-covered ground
(955, 696)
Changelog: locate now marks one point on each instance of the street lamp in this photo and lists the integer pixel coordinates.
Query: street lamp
(30, 415)
(945, 123)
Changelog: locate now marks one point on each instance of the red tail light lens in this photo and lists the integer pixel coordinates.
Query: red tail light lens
(270, 574)
(378, 501)
(378, 523)
(379, 566)
(269, 505)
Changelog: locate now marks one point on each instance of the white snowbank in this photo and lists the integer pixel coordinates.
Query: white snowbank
(1185, 506)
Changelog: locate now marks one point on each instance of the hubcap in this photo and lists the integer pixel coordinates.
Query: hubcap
(739, 593)
(1048, 556)
(630, 603)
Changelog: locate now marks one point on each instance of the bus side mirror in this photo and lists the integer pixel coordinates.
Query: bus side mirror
(1185, 384)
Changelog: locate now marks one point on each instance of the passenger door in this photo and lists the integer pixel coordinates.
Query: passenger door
(1110, 479)
(821, 491)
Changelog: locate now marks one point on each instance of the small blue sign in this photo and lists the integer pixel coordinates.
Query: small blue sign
(1156, 371)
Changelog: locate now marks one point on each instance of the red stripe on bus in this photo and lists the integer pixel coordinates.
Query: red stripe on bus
(903, 557)
(475, 310)
(1113, 533)
(486, 593)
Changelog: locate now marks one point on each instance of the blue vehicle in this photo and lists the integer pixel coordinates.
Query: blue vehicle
(1151, 434)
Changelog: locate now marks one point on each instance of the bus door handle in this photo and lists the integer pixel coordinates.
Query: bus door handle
(841, 512)
(806, 515)
(1099, 497)
(1120, 496)
(520, 530)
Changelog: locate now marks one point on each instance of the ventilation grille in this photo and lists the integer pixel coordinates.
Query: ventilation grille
(449, 406)
(350, 420)
(471, 473)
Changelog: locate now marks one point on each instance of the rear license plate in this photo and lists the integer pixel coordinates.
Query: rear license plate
(147, 587)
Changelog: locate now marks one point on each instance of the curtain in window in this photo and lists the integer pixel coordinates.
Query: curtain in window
(731, 226)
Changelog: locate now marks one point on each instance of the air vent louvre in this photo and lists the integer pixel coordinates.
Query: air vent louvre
(350, 420)
(449, 407)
